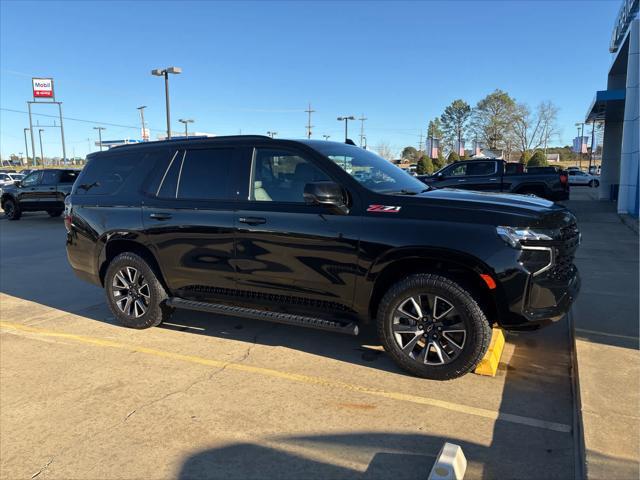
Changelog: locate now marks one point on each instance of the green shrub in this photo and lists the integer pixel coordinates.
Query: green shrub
(453, 157)
(425, 166)
(539, 159)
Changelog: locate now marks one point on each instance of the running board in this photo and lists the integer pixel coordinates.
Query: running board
(276, 317)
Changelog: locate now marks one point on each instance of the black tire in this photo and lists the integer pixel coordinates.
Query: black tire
(12, 209)
(156, 309)
(55, 213)
(477, 333)
(594, 183)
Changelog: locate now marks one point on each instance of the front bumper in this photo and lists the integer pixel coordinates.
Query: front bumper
(545, 300)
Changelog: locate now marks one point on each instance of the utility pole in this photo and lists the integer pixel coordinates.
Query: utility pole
(420, 142)
(26, 148)
(144, 131)
(362, 119)
(40, 130)
(99, 135)
(309, 126)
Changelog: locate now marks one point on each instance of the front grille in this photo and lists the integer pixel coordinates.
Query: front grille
(568, 241)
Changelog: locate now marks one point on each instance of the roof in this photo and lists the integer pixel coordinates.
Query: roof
(607, 104)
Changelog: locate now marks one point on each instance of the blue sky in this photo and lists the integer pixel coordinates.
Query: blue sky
(252, 66)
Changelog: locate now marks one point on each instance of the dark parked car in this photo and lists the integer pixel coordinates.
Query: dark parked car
(41, 190)
(496, 176)
(318, 234)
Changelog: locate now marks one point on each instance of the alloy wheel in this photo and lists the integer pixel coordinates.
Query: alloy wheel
(131, 292)
(429, 329)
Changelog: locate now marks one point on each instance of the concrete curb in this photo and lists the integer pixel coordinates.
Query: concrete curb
(580, 469)
(629, 221)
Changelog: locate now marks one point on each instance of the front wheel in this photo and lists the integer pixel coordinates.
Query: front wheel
(432, 327)
(135, 295)
(12, 210)
(594, 183)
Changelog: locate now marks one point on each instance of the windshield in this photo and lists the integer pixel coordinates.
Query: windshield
(370, 170)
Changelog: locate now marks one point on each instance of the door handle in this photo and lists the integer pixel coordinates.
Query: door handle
(462, 180)
(160, 216)
(252, 220)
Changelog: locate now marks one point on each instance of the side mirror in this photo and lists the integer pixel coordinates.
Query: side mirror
(329, 194)
(439, 176)
(18, 183)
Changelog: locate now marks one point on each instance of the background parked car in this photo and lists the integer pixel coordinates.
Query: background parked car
(41, 190)
(9, 178)
(578, 177)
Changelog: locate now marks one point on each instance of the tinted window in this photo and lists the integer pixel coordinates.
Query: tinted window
(50, 177)
(32, 179)
(105, 174)
(280, 176)
(69, 176)
(205, 174)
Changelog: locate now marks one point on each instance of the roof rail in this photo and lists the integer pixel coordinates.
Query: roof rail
(199, 137)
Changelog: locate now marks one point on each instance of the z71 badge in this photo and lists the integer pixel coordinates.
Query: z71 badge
(383, 208)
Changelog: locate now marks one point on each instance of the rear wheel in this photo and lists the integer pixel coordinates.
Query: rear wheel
(594, 183)
(12, 210)
(55, 213)
(432, 327)
(135, 295)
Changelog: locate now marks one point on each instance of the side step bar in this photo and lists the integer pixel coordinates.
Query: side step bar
(276, 317)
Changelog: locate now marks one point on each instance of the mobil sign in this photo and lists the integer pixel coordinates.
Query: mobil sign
(42, 87)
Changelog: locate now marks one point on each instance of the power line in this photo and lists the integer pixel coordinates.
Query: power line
(76, 119)
(309, 126)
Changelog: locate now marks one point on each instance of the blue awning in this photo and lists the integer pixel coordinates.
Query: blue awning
(608, 105)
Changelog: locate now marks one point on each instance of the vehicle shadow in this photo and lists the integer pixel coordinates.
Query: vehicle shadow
(364, 455)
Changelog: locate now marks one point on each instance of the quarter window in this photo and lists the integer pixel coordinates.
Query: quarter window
(280, 176)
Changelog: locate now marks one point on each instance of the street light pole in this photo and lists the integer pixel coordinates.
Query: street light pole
(580, 126)
(40, 130)
(164, 72)
(346, 124)
(26, 148)
(272, 134)
(99, 135)
(144, 132)
(326, 137)
(186, 121)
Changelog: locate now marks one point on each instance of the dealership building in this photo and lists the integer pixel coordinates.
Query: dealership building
(618, 108)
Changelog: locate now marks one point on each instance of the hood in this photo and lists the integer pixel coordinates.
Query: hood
(492, 199)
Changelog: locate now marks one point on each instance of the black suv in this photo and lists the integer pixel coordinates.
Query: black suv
(40, 191)
(318, 234)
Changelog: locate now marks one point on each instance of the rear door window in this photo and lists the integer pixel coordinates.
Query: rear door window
(69, 176)
(205, 174)
(50, 177)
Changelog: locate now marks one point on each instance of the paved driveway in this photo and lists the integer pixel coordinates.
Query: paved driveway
(213, 397)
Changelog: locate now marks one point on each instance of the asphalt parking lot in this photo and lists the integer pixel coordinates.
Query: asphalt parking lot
(213, 397)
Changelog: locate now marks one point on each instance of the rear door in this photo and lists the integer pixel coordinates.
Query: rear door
(47, 190)
(472, 175)
(289, 253)
(189, 220)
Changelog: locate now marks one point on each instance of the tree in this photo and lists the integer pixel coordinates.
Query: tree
(409, 153)
(442, 160)
(492, 118)
(384, 150)
(425, 165)
(453, 157)
(438, 162)
(533, 130)
(525, 157)
(539, 159)
(454, 120)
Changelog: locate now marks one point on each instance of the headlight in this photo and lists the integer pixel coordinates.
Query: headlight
(515, 235)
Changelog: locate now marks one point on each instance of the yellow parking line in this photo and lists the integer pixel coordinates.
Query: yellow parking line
(295, 377)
